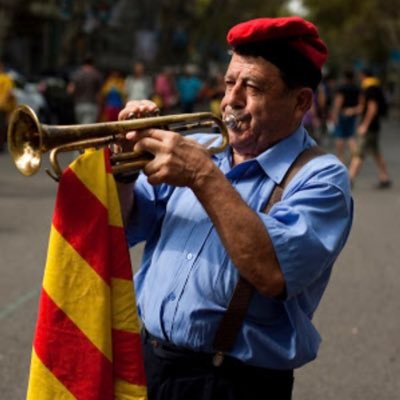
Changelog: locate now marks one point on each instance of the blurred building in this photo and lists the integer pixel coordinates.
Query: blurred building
(38, 36)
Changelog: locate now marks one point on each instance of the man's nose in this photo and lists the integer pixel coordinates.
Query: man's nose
(235, 97)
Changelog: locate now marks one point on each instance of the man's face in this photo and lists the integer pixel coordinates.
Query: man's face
(267, 110)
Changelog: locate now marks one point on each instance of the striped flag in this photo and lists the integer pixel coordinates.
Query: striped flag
(87, 344)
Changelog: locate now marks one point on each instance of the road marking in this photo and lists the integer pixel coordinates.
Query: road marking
(10, 308)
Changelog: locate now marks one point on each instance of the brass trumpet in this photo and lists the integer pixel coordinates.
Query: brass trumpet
(28, 139)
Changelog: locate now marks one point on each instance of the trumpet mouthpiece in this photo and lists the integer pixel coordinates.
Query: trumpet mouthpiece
(231, 121)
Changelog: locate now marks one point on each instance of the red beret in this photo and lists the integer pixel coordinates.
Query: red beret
(302, 35)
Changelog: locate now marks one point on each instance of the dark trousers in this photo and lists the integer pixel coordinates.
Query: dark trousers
(178, 374)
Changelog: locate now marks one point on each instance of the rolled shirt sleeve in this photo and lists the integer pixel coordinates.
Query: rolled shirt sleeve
(310, 225)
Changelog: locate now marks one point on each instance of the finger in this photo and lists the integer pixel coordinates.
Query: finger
(158, 134)
(156, 170)
(137, 109)
(154, 178)
(149, 144)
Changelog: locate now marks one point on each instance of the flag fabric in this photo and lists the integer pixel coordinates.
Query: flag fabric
(87, 342)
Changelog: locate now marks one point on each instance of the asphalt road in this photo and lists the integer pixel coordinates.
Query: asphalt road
(359, 316)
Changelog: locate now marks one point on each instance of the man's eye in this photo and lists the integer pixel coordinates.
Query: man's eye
(253, 88)
(229, 85)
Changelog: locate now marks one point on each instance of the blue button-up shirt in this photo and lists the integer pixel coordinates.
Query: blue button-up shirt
(187, 278)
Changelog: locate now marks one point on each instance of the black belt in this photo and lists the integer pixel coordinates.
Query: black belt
(169, 351)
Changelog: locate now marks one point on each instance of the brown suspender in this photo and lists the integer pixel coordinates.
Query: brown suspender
(233, 318)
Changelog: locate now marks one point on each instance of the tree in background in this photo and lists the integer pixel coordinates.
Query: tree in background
(360, 29)
(362, 33)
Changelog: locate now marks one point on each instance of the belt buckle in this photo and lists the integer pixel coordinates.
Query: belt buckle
(218, 359)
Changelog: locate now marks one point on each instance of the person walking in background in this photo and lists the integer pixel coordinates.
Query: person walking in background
(215, 224)
(214, 91)
(7, 102)
(165, 90)
(189, 86)
(372, 106)
(345, 98)
(112, 96)
(138, 85)
(324, 101)
(312, 121)
(85, 87)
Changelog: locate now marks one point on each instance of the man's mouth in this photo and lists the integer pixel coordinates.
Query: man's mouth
(231, 121)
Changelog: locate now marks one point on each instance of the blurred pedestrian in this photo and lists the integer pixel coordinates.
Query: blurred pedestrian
(312, 122)
(346, 98)
(138, 85)
(7, 102)
(189, 86)
(85, 87)
(60, 104)
(165, 90)
(324, 97)
(214, 91)
(371, 108)
(112, 96)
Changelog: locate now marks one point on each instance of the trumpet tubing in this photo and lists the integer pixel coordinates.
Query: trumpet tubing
(28, 139)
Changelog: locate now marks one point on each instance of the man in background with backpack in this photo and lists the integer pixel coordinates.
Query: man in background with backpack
(372, 107)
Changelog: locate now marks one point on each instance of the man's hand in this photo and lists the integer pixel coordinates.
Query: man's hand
(178, 161)
(362, 129)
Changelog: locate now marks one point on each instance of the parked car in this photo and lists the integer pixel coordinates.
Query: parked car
(28, 93)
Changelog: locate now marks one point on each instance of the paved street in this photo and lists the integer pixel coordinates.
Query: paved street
(359, 317)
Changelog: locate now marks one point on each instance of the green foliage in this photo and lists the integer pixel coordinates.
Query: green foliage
(357, 30)
(218, 16)
(207, 22)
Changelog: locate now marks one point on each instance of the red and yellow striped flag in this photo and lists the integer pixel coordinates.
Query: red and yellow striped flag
(87, 343)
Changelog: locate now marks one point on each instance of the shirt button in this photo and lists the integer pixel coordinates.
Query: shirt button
(189, 256)
(171, 297)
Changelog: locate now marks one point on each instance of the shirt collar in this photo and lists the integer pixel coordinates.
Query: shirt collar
(276, 160)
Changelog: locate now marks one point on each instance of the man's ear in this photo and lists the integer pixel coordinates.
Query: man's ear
(304, 99)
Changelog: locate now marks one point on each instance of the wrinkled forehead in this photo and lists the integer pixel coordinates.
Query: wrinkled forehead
(245, 66)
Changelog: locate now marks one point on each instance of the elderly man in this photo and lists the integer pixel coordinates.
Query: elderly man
(232, 273)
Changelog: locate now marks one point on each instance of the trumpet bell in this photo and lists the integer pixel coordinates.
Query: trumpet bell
(25, 140)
